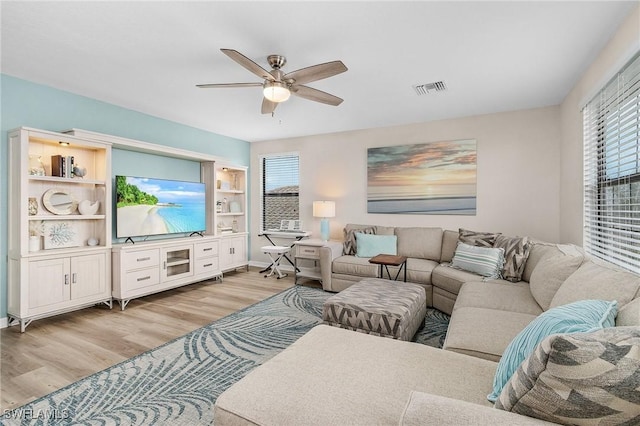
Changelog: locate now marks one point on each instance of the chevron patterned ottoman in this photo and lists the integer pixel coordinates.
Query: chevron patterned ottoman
(380, 307)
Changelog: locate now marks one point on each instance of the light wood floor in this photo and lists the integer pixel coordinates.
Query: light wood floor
(58, 351)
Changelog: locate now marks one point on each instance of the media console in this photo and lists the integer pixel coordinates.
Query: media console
(149, 267)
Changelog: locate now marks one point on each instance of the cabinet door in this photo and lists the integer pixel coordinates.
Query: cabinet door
(88, 276)
(233, 252)
(177, 262)
(49, 283)
(226, 256)
(239, 250)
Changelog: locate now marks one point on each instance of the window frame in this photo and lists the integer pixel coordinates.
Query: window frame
(262, 159)
(611, 160)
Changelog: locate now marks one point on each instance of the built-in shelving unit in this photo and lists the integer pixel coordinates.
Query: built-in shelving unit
(59, 259)
(227, 217)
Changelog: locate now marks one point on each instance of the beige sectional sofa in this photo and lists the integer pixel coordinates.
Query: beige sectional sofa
(335, 376)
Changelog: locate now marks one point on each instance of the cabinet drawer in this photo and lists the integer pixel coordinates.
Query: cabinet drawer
(312, 252)
(140, 259)
(206, 266)
(207, 249)
(142, 278)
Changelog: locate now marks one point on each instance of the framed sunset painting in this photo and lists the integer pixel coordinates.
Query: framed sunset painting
(428, 178)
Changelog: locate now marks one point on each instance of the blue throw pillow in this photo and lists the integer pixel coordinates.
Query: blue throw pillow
(369, 245)
(483, 261)
(583, 316)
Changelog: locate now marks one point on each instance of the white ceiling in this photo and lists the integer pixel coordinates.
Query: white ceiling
(148, 57)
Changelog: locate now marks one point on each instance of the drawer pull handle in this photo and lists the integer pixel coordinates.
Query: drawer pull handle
(148, 277)
(142, 259)
(309, 251)
(208, 264)
(66, 279)
(74, 278)
(208, 249)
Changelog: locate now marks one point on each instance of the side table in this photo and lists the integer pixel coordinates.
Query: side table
(386, 260)
(309, 249)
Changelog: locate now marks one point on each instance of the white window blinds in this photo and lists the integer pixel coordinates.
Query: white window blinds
(280, 189)
(612, 170)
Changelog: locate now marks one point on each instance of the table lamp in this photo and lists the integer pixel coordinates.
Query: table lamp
(325, 210)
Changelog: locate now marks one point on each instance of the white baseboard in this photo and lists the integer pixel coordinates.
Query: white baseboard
(4, 322)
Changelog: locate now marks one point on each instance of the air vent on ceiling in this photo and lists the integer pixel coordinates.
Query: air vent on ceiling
(423, 89)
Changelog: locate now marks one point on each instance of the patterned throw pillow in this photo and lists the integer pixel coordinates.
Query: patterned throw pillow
(349, 246)
(480, 239)
(583, 316)
(479, 260)
(516, 253)
(581, 379)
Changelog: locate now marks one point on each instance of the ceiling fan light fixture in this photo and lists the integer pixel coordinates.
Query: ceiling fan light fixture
(276, 91)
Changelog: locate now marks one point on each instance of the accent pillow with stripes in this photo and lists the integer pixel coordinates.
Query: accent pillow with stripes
(483, 261)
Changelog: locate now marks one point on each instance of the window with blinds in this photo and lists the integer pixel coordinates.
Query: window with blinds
(280, 189)
(612, 170)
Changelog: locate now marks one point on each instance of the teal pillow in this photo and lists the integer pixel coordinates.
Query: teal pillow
(583, 316)
(370, 245)
(483, 261)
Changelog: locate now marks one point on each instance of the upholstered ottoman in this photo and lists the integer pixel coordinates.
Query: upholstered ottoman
(380, 307)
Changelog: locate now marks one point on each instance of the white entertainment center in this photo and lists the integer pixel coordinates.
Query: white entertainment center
(152, 266)
(61, 257)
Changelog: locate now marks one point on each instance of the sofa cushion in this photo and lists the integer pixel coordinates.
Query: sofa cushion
(629, 314)
(341, 377)
(598, 281)
(449, 244)
(484, 332)
(582, 316)
(443, 411)
(581, 379)
(350, 242)
(369, 245)
(419, 270)
(475, 238)
(352, 265)
(537, 252)
(516, 252)
(483, 261)
(499, 295)
(451, 279)
(421, 243)
(552, 270)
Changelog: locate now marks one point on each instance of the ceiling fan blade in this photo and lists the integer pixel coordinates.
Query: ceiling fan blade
(315, 95)
(225, 85)
(248, 64)
(316, 72)
(267, 106)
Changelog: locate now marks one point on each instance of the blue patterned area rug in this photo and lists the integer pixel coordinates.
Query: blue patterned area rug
(179, 382)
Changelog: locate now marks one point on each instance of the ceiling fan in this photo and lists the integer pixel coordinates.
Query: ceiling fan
(278, 86)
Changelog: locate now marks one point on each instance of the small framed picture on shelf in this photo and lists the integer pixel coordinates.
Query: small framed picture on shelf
(60, 234)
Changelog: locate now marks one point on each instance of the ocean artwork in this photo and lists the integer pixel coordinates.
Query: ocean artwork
(148, 206)
(428, 178)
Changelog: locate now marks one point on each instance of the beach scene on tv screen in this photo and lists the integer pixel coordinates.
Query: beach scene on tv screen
(146, 206)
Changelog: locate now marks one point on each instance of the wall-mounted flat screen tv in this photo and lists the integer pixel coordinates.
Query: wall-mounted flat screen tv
(146, 206)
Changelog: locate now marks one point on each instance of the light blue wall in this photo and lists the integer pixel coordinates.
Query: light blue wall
(28, 104)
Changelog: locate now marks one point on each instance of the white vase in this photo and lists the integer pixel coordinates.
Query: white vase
(87, 208)
(34, 243)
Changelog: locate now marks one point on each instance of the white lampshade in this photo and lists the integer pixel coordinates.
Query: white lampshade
(324, 209)
(276, 92)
